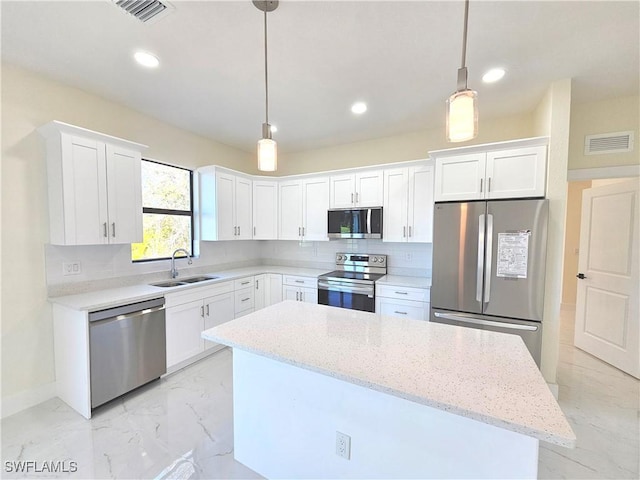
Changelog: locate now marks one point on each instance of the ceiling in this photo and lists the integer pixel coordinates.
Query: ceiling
(401, 58)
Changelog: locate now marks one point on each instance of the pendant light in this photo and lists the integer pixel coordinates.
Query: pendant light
(462, 106)
(267, 147)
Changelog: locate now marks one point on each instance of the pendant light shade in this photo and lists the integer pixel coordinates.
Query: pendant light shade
(462, 105)
(267, 147)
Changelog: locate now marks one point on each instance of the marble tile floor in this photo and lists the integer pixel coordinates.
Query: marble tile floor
(182, 427)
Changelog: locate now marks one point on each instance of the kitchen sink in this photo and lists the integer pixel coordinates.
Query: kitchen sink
(184, 281)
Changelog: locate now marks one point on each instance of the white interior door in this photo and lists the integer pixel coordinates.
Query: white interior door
(607, 316)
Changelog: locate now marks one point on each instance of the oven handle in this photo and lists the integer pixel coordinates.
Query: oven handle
(489, 323)
(323, 285)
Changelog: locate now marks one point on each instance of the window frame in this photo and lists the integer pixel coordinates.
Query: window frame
(168, 211)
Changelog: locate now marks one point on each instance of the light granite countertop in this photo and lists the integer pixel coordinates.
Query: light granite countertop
(486, 376)
(404, 281)
(107, 298)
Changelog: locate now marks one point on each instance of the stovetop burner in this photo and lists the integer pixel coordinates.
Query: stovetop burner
(346, 275)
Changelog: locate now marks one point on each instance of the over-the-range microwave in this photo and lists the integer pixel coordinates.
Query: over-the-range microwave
(355, 222)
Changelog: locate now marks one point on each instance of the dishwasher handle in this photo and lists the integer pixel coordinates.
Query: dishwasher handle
(125, 310)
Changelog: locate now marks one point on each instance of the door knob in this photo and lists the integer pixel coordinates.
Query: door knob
(581, 276)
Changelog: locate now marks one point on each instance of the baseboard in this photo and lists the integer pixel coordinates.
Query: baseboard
(21, 401)
(554, 389)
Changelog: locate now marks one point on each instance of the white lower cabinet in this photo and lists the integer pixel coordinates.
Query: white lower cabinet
(400, 301)
(300, 289)
(188, 314)
(268, 290)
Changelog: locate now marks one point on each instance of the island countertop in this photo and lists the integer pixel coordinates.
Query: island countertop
(486, 376)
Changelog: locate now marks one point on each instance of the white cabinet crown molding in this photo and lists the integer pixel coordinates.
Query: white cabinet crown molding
(482, 148)
(56, 127)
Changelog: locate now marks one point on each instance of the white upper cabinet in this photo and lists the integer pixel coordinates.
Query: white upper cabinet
(265, 209)
(506, 170)
(225, 205)
(360, 189)
(94, 187)
(408, 204)
(303, 206)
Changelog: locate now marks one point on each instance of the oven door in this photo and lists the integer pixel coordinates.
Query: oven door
(343, 295)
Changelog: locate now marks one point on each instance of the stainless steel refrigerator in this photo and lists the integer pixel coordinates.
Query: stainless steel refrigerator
(489, 266)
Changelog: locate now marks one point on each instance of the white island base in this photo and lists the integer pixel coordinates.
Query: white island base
(286, 419)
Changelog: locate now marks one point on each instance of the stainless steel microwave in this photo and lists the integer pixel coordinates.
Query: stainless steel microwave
(355, 223)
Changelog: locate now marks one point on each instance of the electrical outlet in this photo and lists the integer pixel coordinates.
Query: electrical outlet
(408, 256)
(343, 445)
(71, 268)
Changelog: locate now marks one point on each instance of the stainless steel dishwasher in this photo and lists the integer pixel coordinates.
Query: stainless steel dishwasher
(127, 348)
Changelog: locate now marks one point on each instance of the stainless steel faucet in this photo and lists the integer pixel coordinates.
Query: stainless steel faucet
(174, 270)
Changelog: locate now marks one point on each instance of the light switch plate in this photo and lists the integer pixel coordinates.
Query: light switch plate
(71, 268)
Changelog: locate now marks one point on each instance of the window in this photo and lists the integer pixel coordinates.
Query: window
(167, 211)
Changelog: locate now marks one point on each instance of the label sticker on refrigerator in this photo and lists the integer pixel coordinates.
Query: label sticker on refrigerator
(513, 254)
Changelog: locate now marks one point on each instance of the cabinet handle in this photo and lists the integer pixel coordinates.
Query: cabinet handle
(245, 299)
(113, 229)
(489, 185)
(104, 225)
(410, 234)
(245, 283)
(254, 231)
(402, 293)
(207, 309)
(352, 198)
(297, 296)
(238, 231)
(399, 313)
(257, 284)
(299, 281)
(481, 185)
(303, 231)
(202, 311)
(357, 195)
(299, 231)
(404, 232)
(302, 296)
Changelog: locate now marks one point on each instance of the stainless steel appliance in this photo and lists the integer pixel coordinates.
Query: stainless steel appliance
(352, 285)
(489, 266)
(355, 223)
(127, 348)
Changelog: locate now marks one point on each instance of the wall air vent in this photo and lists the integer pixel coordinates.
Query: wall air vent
(147, 11)
(619, 142)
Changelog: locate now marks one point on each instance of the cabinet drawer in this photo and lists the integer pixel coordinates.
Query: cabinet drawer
(192, 294)
(244, 299)
(295, 281)
(403, 293)
(244, 282)
(402, 308)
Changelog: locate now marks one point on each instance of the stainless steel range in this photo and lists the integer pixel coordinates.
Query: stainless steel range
(352, 285)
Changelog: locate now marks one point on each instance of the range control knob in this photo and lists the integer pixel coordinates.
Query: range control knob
(375, 259)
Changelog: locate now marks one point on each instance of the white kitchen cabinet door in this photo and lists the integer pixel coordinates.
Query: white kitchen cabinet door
(342, 191)
(394, 226)
(184, 324)
(265, 210)
(369, 188)
(224, 203)
(261, 294)
(242, 209)
(315, 206)
(420, 204)
(124, 195)
(309, 295)
(218, 310)
(460, 177)
(274, 290)
(290, 210)
(520, 172)
(290, 293)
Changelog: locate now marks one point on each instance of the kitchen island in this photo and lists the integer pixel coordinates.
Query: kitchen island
(417, 400)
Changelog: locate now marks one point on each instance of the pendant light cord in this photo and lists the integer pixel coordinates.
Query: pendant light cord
(266, 77)
(464, 32)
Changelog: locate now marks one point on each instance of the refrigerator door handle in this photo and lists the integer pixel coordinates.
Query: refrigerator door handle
(480, 267)
(487, 264)
(488, 323)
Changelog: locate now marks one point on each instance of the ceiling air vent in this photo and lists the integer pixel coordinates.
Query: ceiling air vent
(145, 10)
(618, 142)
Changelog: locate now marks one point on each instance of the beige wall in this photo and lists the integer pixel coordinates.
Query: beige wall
(572, 241)
(552, 118)
(607, 116)
(29, 101)
(398, 148)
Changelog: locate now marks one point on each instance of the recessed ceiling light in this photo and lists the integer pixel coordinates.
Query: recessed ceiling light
(274, 129)
(493, 75)
(146, 59)
(359, 107)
